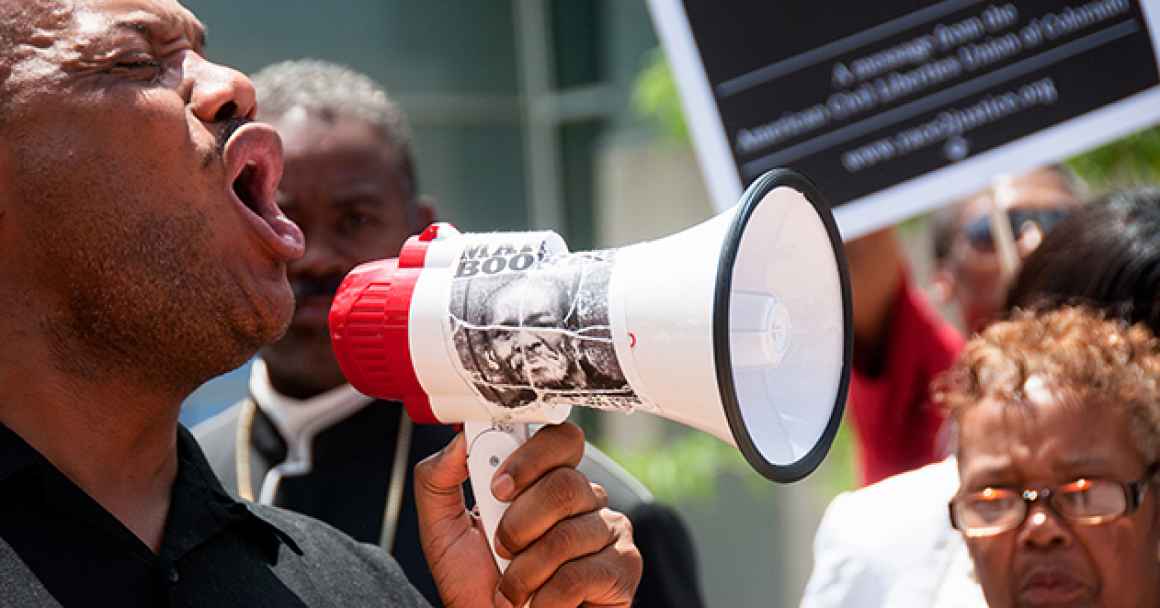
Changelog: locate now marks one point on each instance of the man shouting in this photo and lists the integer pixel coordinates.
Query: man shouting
(141, 253)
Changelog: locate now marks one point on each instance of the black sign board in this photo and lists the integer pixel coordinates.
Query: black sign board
(895, 106)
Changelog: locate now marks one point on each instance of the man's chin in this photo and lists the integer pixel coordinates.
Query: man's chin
(271, 317)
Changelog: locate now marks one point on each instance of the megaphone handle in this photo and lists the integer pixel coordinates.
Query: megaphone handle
(488, 446)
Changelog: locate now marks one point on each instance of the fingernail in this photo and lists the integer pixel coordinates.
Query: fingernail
(501, 550)
(501, 600)
(450, 447)
(502, 486)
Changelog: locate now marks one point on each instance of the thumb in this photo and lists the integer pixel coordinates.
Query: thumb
(453, 541)
(439, 483)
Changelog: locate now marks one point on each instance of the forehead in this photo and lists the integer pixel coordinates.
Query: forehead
(1037, 190)
(1044, 437)
(306, 133)
(335, 152)
(161, 19)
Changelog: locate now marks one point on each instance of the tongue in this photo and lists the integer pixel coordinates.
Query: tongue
(246, 187)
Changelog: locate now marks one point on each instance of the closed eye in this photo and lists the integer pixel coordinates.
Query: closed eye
(143, 68)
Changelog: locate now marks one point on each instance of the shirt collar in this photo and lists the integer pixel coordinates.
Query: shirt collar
(199, 501)
(298, 421)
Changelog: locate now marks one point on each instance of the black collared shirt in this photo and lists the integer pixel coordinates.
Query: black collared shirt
(215, 550)
(347, 485)
(351, 470)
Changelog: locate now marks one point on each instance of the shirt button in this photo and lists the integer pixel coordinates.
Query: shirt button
(173, 575)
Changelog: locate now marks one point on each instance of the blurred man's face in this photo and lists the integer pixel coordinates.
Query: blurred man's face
(344, 187)
(1050, 560)
(139, 217)
(1036, 201)
(540, 358)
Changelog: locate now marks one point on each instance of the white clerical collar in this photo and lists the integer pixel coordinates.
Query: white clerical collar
(300, 420)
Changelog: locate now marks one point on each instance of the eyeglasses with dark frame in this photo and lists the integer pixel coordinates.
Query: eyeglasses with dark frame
(1088, 502)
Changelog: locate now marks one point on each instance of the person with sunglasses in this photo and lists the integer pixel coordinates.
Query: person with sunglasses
(1059, 445)
(969, 269)
(901, 343)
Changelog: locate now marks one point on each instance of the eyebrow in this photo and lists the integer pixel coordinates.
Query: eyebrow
(989, 468)
(1069, 464)
(358, 191)
(150, 26)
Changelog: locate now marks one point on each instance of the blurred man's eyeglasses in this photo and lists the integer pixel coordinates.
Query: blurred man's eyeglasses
(1088, 502)
(978, 231)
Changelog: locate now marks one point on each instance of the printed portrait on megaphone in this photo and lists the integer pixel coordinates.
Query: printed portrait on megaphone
(538, 331)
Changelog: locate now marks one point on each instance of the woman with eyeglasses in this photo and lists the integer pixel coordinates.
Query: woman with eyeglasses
(1059, 442)
(891, 544)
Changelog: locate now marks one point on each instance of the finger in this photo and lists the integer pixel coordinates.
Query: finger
(601, 494)
(568, 540)
(552, 447)
(443, 517)
(560, 494)
(607, 579)
(439, 480)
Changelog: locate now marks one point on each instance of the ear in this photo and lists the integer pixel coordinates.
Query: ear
(425, 214)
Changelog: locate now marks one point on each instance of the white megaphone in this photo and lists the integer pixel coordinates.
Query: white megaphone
(739, 327)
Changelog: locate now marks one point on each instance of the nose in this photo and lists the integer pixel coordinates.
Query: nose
(320, 260)
(1043, 530)
(217, 93)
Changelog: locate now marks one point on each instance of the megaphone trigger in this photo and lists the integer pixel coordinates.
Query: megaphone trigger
(488, 446)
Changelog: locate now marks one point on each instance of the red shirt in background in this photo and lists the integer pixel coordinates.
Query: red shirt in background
(896, 423)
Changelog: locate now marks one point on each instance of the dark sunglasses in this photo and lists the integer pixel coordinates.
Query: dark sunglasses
(978, 231)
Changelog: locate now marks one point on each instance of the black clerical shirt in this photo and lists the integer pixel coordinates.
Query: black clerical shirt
(56, 540)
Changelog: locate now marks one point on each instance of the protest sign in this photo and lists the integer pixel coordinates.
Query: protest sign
(894, 107)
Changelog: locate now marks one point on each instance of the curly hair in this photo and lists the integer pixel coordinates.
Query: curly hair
(332, 90)
(1072, 349)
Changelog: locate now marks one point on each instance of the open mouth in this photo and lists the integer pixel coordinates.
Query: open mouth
(245, 186)
(253, 158)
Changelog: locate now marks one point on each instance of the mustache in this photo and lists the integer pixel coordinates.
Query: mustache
(312, 287)
(223, 137)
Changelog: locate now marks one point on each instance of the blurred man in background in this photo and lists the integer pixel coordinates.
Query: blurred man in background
(901, 343)
(305, 439)
(1105, 256)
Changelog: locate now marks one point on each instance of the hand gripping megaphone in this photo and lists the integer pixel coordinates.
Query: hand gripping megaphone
(739, 327)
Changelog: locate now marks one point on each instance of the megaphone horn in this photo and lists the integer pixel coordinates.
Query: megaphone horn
(740, 327)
